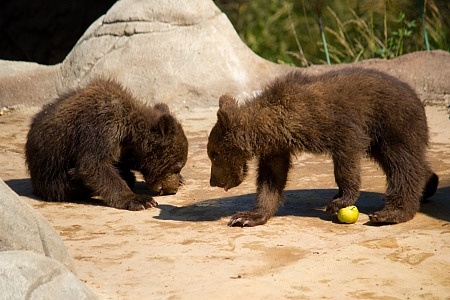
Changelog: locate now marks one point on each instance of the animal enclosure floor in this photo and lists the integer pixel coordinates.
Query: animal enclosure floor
(183, 249)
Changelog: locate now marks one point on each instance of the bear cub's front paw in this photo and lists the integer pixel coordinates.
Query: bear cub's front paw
(337, 203)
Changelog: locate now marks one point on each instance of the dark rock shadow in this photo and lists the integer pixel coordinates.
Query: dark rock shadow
(22, 187)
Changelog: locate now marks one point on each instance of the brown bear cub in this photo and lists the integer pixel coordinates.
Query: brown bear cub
(88, 141)
(347, 113)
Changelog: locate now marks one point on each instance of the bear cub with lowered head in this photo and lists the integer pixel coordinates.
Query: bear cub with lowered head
(87, 142)
(347, 113)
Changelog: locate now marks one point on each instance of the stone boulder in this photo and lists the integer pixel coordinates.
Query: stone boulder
(426, 71)
(23, 228)
(34, 261)
(183, 53)
(27, 275)
(25, 83)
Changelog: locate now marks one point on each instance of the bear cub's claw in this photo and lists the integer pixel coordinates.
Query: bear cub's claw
(142, 202)
(390, 216)
(239, 222)
(248, 219)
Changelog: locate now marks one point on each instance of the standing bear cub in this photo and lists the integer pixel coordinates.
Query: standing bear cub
(347, 113)
(88, 141)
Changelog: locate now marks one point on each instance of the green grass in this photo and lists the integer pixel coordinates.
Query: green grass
(316, 32)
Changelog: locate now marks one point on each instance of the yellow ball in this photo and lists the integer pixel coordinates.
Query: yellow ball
(348, 214)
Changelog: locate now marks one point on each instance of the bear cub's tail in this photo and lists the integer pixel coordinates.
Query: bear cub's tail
(430, 187)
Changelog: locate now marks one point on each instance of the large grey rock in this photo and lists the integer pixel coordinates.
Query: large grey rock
(428, 72)
(34, 263)
(27, 83)
(23, 228)
(27, 275)
(185, 53)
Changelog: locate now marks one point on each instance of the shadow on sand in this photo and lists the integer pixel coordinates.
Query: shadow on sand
(301, 203)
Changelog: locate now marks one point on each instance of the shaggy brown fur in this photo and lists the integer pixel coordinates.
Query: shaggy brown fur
(346, 113)
(87, 143)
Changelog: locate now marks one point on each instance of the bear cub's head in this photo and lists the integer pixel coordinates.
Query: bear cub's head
(162, 152)
(227, 147)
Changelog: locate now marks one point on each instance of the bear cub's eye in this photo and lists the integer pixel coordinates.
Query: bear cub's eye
(178, 167)
(214, 156)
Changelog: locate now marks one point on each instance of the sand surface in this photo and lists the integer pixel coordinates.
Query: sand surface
(183, 249)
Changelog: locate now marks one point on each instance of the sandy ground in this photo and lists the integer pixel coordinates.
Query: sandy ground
(184, 250)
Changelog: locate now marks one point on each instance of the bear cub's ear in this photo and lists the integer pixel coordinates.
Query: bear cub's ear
(226, 101)
(224, 113)
(162, 107)
(166, 125)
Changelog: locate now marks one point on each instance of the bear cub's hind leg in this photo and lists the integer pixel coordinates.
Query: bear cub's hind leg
(403, 200)
(409, 182)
